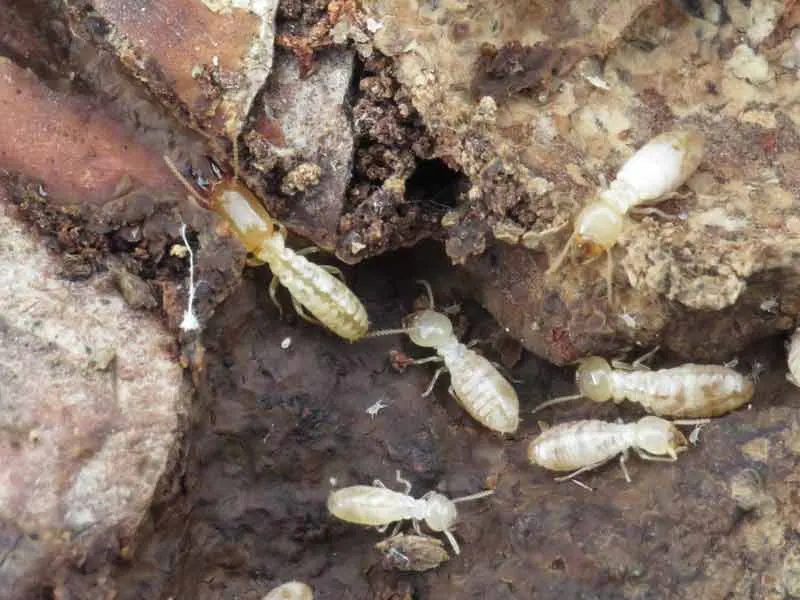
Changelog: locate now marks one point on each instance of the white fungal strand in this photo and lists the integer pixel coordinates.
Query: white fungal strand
(293, 590)
(580, 446)
(378, 506)
(687, 391)
(794, 359)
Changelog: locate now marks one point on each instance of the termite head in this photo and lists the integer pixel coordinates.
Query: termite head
(250, 221)
(440, 512)
(428, 328)
(597, 228)
(594, 379)
(659, 437)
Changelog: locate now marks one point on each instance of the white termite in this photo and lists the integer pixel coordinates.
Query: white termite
(687, 391)
(580, 446)
(320, 289)
(652, 174)
(378, 506)
(293, 590)
(475, 382)
(794, 359)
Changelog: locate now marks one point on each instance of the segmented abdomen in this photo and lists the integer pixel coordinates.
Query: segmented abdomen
(689, 391)
(575, 444)
(794, 358)
(482, 390)
(325, 296)
(369, 505)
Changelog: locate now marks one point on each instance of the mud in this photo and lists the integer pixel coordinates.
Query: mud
(274, 428)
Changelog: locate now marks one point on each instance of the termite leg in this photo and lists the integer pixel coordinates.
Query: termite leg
(622, 458)
(558, 400)
(415, 525)
(252, 261)
(429, 291)
(652, 210)
(273, 294)
(335, 271)
(560, 258)
(579, 483)
(590, 467)
(646, 456)
(452, 541)
(308, 251)
(396, 530)
(436, 376)
(638, 364)
(382, 528)
(404, 481)
(301, 311)
(378, 483)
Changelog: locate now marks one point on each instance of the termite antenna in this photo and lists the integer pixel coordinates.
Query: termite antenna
(554, 401)
(476, 496)
(197, 197)
(560, 258)
(235, 158)
(453, 542)
(429, 290)
(381, 332)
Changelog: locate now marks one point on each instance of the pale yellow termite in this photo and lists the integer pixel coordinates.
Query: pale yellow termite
(474, 382)
(293, 590)
(313, 287)
(794, 359)
(378, 506)
(653, 173)
(688, 391)
(581, 446)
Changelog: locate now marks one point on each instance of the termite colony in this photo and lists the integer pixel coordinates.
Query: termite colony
(690, 393)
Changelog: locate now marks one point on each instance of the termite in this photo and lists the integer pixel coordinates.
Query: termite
(378, 506)
(688, 391)
(294, 590)
(652, 174)
(794, 359)
(580, 446)
(474, 382)
(312, 287)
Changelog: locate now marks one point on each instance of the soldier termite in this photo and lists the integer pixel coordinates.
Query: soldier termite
(794, 359)
(687, 391)
(581, 446)
(294, 590)
(312, 287)
(378, 506)
(474, 382)
(653, 173)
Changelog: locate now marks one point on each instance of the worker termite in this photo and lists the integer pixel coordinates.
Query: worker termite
(378, 506)
(653, 173)
(312, 287)
(581, 446)
(688, 391)
(794, 359)
(294, 590)
(474, 382)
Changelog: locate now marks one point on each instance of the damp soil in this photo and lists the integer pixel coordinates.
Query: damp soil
(276, 429)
